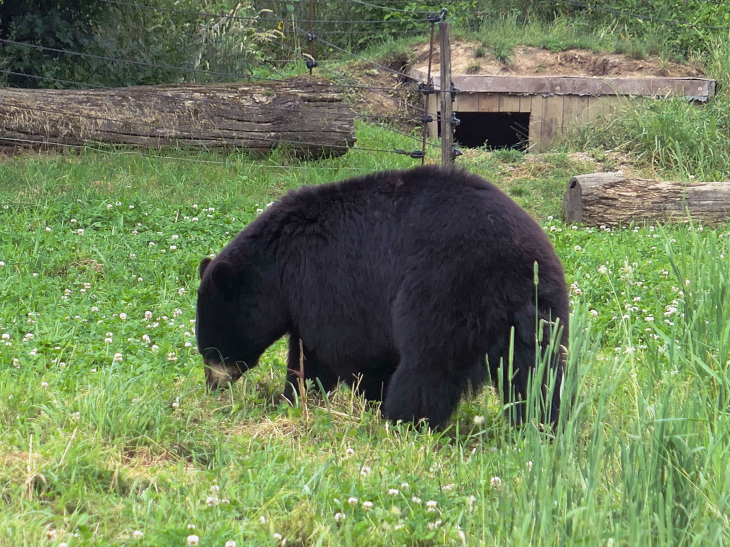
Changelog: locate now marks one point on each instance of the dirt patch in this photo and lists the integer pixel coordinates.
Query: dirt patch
(533, 61)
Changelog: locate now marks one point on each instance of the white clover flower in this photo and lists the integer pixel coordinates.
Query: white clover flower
(393, 492)
(416, 499)
(447, 487)
(44, 385)
(367, 505)
(137, 534)
(155, 348)
(174, 236)
(146, 338)
(118, 357)
(194, 219)
(649, 319)
(602, 270)
(2, 263)
(529, 465)
(594, 313)
(193, 539)
(173, 247)
(262, 519)
(171, 357)
(352, 501)
(73, 221)
(181, 291)
(478, 420)
(108, 340)
(434, 525)
(212, 501)
(80, 231)
(470, 500)
(230, 543)
(365, 471)
(578, 248)
(431, 505)
(48, 229)
(405, 485)
(51, 534)
(34, 352)
(214, 489)
(188, 345)
(191, 526)
(349, 452)
(123, 316)
(495, 482)
(94, 309)
(277, 537)
(177, 312)
(5, 336)
(339, 517)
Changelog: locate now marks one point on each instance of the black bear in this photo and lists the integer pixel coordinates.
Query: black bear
(412, 285)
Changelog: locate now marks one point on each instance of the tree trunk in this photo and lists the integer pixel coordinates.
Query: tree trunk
(611, 199)
(305, 115)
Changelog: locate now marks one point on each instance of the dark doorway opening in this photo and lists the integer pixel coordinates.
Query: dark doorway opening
(496, 130)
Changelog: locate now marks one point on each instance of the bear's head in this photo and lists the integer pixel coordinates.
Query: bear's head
(235, 320)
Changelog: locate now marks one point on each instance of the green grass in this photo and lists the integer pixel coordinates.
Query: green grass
(97, 447)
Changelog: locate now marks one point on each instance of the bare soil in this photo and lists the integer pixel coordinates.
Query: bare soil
(532, 61)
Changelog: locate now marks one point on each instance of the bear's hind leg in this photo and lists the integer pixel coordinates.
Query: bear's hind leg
(413, 395)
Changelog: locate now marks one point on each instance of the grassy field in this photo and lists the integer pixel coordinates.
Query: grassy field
(107, 436)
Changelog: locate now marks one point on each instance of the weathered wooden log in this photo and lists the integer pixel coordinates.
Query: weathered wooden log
(612, 199)
(306, 115)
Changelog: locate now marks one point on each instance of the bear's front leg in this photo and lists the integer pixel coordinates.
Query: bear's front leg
(313, 370)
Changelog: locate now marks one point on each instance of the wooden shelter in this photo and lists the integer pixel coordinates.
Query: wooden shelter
(505, 110)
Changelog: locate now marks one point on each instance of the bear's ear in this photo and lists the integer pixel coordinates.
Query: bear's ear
(203, 265)
(223, 276)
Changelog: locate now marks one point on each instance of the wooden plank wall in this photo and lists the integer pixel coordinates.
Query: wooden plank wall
(550, 115)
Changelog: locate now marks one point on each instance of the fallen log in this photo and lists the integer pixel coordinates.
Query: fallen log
(305, 115)
(612, 199)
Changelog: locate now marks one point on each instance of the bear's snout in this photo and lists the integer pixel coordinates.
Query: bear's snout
(220, 375)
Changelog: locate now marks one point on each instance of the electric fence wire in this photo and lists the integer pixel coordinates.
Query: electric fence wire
(236, 76)
(259, 18)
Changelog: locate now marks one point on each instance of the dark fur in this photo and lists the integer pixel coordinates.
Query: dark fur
(407, 278)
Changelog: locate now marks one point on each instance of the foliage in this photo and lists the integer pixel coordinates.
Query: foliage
(57, 24)
(120, 44)
(687, 26)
